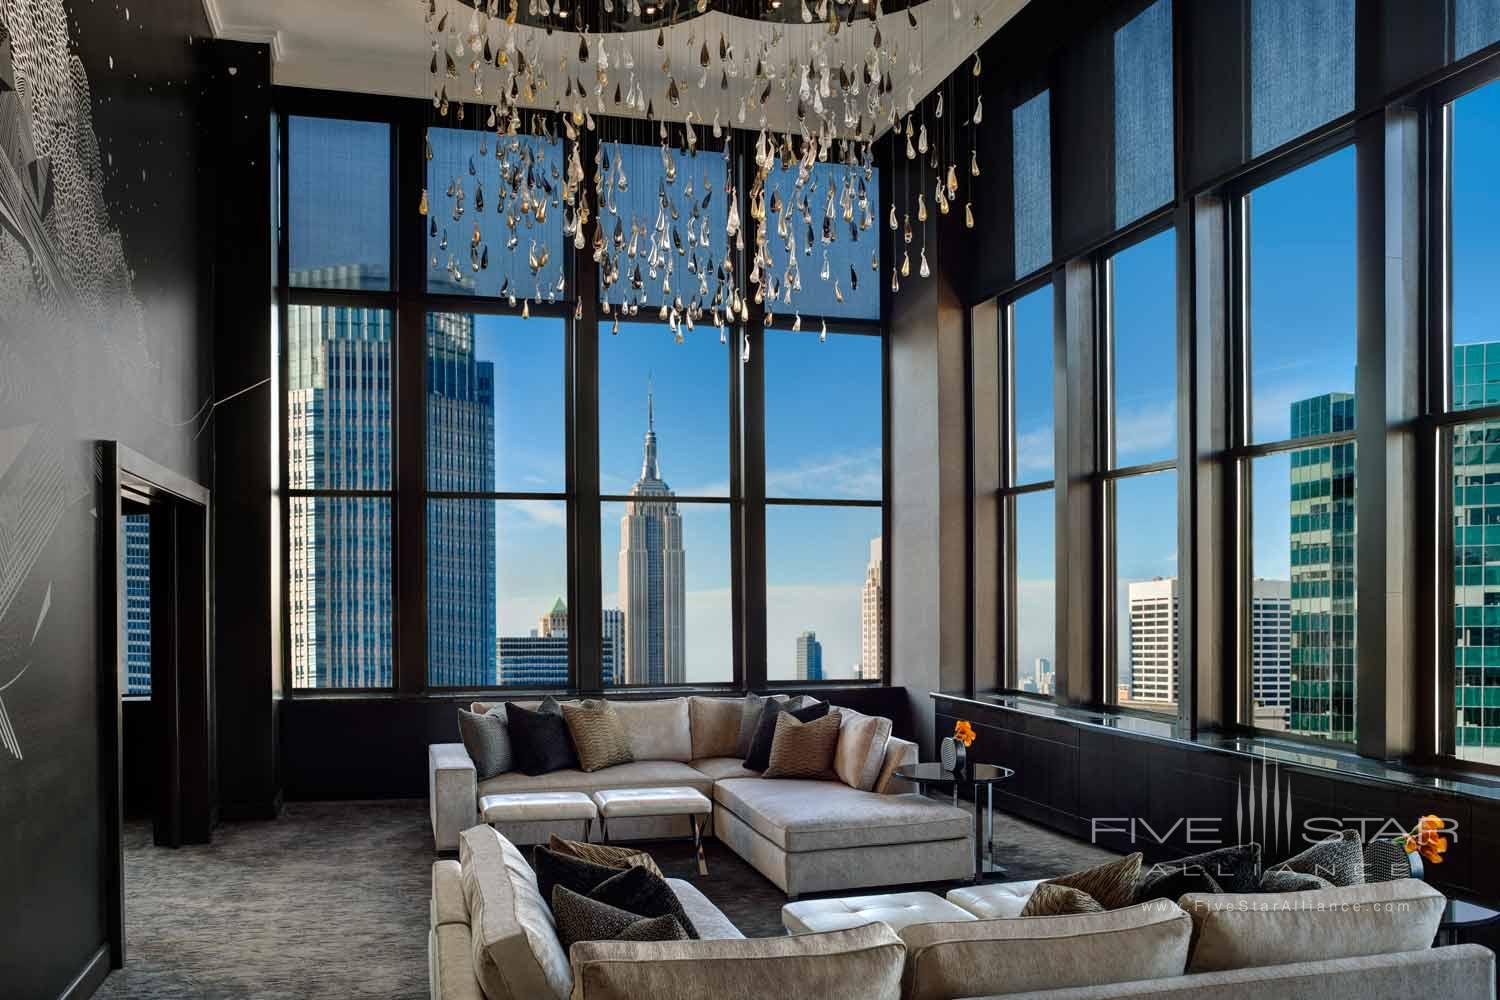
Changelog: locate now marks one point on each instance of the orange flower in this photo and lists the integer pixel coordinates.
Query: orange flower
(1432, 845)
(1430, 824)
(1410, 845)
(963, 732)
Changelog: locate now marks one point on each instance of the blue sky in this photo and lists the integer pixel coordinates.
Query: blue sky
(1476, 216)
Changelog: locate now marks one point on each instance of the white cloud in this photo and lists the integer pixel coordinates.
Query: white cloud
(1034, 455)
(1145, 433)
(850, 475)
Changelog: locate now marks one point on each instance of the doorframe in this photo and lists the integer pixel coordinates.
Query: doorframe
(184, 770)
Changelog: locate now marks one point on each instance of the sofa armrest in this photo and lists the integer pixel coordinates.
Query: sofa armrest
(453, 790)
(898, 753)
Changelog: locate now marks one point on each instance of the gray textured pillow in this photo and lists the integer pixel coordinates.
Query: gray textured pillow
(749, 719)
(1276, 881)
(580, 918)
(487, 739)
(1339, 860)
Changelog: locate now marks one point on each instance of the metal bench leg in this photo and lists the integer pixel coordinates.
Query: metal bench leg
(603, 830)
(588, 828)
(698, 844)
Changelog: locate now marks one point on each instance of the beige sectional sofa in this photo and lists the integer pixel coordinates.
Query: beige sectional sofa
(805, 836)
(492, 938)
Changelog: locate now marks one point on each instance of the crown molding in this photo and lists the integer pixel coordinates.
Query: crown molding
(243, 32)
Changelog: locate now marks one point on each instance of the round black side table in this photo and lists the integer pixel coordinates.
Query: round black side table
(1461, 916)
(972, 777)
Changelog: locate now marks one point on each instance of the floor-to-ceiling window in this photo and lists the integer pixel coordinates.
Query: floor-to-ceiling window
(1140, 447)
(338, 370)
(436, 521)
(1294, 442)
(1469, 140)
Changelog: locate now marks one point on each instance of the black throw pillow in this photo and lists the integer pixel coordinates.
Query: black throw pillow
(645, 893)
(1227, 869)
(759, 757)
(539, 740)
(554, 869)
(580, 918)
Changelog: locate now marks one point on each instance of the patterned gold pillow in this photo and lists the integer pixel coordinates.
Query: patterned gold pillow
(603, 854)
(804, 749)
(597, 734)
(1049, 899)
(1112, 884)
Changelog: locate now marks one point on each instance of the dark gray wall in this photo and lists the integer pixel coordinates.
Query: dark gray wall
(102, 335)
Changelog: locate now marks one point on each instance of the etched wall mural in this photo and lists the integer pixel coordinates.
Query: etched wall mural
(69, 315)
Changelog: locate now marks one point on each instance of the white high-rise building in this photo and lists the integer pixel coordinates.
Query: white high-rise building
(1153, 641)
(872, 616)
(1271, 652)
(653, 584)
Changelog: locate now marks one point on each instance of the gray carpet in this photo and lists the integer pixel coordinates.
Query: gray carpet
(330, 901)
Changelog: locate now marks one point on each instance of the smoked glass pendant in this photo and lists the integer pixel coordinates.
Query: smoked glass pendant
(921, 207)
(905, 263)
(952, 179)
(968, 215)
(423, 206)
(924, 270)
(978, 109)
(973, 163)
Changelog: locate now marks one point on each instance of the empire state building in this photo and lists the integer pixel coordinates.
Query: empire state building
(652, 579)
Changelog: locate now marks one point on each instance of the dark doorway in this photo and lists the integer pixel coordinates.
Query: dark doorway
(154, 669)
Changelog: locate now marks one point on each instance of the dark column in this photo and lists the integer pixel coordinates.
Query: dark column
(247, 529)
(1388, 388)
(586, 604)
(985, 395)
(1079, 625)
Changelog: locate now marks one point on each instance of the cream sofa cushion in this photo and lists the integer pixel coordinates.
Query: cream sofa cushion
(861, 749)
(1246, 930)
(862, 961)
(516, 953)
(716, 725)
(979, 957)
(658, 729)
(801, 815)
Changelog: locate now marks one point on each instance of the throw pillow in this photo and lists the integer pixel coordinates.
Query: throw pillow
(487, 740)
(645, 893)
(1386, 861)
(1050, 900)
(602, 854)
(759, 757)
(1292, 882)
(554, 869)
(540, 739)
(1340, 859)
(1226, 869)
(804, 749)
(597, 735)
(750, 712)
(1112, 883)
(580, 918)
(861, 749)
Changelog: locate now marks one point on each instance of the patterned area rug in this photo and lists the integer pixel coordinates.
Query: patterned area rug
(331, 901)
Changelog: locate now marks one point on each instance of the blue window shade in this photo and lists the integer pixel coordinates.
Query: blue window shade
(1476, 24)
(855, 244)
(1143, 113)
(1031, 160)
(531, 168)
(1301, 67)
(339, 203)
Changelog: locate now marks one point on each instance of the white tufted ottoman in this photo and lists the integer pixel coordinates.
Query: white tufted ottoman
(995, 899)
(535, 807)
(619, 803)
(894, 909)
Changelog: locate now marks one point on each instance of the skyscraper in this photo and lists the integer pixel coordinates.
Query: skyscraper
(339, 436)
(461, 584)
(1153, 640)
(1322, 568)
(653, 585)
(338, 365)
(137, 604)
(614, 644)
(809, 657)
(540, 659)
(872, 615)
(1270, 652)
(1476, 567)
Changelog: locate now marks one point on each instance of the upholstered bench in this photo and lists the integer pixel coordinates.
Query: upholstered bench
(994, 899)
(894, 909)
(623, 803)
(533, 807)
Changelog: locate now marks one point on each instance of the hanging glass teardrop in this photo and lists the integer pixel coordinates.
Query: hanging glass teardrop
(745, 350)
(922, 139)
(661, 38)
(976, 63)
(907, 228)
(968, 215)
(938, 111)
(973, 163)
(924, 270)
(978, 109)
(921, 207)
(423, 206)
(583, 47)
(703, 57)
(952, 179)
(894, 224)
(905, 263)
